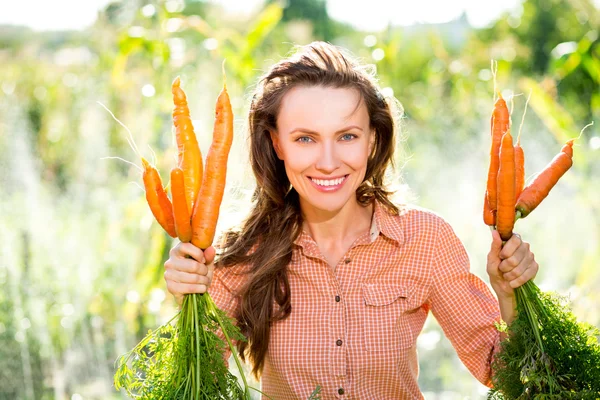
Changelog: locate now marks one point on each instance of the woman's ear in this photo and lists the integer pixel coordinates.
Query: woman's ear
(276, 146)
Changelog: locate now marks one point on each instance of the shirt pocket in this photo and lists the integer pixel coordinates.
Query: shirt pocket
(384, 320)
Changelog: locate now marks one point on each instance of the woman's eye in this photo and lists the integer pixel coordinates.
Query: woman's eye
(304, 139)
(348, 136)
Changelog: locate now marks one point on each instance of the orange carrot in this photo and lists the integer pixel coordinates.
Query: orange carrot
(157, 198)
(505, 214)
(189, 155)
(183, 225)
(539, 188)
(206, 210)
(500, 123)
(489, 216)
(519, 169)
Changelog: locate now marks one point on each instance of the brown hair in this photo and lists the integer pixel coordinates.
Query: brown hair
(266, 237)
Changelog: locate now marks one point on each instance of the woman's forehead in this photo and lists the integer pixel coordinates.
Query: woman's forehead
(318, 107)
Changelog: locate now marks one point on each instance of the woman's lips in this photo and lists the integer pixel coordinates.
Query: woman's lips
(328, 184)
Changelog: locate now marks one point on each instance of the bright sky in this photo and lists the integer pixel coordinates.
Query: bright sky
(78, 14)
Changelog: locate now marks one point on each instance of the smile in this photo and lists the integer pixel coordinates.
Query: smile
(329, 182)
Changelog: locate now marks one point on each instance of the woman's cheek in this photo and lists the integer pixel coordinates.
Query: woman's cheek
(356, 157)
(298, 160)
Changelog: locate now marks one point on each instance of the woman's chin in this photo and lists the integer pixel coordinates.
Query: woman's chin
(330, 205)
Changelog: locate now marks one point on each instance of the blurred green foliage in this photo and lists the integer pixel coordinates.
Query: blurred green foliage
(81, 260)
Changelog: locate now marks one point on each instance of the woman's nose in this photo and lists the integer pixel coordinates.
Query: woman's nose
(328, 160)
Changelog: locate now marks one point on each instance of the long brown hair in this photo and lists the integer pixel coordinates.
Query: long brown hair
(266, 237)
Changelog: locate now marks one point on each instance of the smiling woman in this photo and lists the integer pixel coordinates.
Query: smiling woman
(325, 160)
(329, 280)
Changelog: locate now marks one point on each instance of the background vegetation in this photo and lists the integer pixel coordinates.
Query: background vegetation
(81, 259)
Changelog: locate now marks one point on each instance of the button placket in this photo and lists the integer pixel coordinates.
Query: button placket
(337, 331)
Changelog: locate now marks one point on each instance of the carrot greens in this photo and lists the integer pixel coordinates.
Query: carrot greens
(547, 354)
(183, 359)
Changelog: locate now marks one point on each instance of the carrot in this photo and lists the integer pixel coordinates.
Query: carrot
(157, 198)
(188, 151)
(539, 188)
(206, 210)
(183, 225)
(489, 216)
(519, 169)
(191, 344)
(505, 214)
(500, 123)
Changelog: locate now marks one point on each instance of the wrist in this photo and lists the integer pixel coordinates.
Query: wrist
(502, 290)
(502, 295)
(508, 308)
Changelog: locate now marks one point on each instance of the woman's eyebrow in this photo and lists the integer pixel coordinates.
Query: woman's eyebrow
(316, 133)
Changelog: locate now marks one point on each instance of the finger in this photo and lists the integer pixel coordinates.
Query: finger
(185, 277)
(189, 250)
(496, 242)
(520, 269)
(179, 289)
(528, 275)
(510, 263)
(520, 254)
(188, 265)
(209, 254)
(511, 246)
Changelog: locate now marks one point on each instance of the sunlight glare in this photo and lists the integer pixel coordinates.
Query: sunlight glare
(370, 40)
(133, 297)
(148, 10)
(210, 43)
(148, 90)
(378, 54)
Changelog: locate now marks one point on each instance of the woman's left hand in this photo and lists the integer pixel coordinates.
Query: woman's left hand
(511, 265)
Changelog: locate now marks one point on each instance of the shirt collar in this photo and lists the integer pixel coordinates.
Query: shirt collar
(383, 222)
(388, 224)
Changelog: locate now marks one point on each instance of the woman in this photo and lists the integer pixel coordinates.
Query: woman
(329, 280)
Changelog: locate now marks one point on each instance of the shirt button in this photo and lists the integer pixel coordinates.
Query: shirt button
(347, 261)
(340, 391)
(339, 342)
(337, 299)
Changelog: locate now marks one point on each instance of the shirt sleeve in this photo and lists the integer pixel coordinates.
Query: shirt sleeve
(464, 306)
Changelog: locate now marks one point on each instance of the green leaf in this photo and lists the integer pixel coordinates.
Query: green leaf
(266, 22)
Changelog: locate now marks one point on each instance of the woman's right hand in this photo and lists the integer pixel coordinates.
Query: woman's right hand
(188, 270)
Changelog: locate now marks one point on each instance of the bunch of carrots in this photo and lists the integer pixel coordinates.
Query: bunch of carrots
(547, 354)
(183, 359)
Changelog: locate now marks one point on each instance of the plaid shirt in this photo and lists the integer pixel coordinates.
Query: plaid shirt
(353, 329)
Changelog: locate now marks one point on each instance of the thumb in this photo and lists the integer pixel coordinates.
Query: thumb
(209, 254)
(496, 242)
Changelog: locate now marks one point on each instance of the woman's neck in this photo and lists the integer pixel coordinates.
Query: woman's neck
(339, 227)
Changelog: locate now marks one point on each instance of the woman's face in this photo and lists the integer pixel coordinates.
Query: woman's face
(324, 139)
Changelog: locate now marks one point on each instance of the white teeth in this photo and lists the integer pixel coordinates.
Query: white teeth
(328, 182)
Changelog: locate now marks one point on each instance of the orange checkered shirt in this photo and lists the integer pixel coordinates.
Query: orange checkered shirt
(353, 329)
